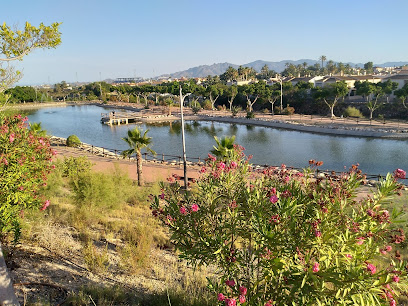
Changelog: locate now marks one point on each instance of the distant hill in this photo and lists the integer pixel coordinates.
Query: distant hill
(217, 69)
(202, 71)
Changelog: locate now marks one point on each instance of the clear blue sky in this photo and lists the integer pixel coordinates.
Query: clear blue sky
(122, 38)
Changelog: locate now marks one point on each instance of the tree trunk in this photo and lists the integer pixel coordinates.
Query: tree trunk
(371, 113)
(139, 161)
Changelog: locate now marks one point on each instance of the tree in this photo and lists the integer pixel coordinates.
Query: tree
(369, 67)
(136, 143)
(20, 94)
(377, 91)
(229, 75)
(214, 92)
(15, 44)
(402, 94)
(252, 91)
(271, 95)
(323, 58)
(330, 94)
(231, 92)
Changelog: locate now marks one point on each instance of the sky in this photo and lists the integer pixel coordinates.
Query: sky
(125, 38)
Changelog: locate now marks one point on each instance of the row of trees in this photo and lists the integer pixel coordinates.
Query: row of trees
(214, 92)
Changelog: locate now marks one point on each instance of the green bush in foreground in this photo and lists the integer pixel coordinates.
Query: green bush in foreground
(25, 161)
(281, 237)
(73, 141)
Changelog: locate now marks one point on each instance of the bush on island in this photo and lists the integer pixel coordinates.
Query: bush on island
(73, 141)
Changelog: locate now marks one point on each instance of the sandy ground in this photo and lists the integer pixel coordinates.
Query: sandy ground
(152, 171)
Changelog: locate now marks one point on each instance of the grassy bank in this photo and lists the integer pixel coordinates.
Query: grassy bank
(103, 223)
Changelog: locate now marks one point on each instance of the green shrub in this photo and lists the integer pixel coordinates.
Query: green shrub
(266, 111)
(73, 141)
(207, 105)
(289, 110)
(250, 115)
(235, 110)
(351, 111)
(73, 166)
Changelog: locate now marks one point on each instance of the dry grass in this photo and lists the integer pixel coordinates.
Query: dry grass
(105, 223)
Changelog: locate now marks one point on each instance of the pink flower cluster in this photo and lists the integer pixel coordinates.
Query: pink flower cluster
(400, 174)
(371, 268)
(45, 205)
(316, 267)
(232, 301)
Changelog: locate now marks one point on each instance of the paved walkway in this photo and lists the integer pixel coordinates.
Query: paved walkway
(7, 295)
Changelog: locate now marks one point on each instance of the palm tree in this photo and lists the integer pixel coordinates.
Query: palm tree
(323, 58)
(136, 143)
(224, 148)
(36, 128)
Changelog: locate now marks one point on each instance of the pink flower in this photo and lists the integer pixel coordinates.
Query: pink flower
(241, 299)
(243, 290)
(183, 210)
(392, 302)
(395, 279)
(203, 169)
(230, 302)
(11, 137)
(212, 157)
(370, 212)
(348, 256)
(230, 283)
(5, 161)
(274, 199)
(318, 233)
(269, 303)
(54, 152)
(360, 240)
(400, 174)
(388, 248)
(371, 268)
(221, 165)
(194, 207)
(273, 190)
(161, 196)
(220, 297)
(233, 164)
(316, 267)
(46, 204)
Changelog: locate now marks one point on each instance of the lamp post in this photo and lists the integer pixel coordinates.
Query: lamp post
(281, 94)
(182, 97)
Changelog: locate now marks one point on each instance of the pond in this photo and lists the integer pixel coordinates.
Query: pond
(267, 145)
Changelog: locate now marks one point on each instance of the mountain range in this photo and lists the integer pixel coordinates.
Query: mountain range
(220, 68)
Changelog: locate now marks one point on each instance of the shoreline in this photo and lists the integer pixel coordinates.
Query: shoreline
(320, 125)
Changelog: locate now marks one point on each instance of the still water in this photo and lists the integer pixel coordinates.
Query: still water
(267, 145)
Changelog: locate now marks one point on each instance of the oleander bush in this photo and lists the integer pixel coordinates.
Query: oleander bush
(282, 237)
(25, 162)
